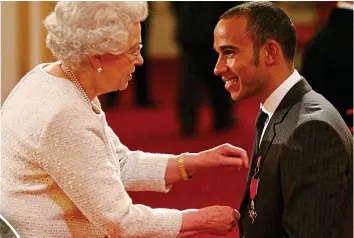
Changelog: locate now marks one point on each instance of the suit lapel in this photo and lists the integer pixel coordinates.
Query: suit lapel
(291, 98)
(294, 95)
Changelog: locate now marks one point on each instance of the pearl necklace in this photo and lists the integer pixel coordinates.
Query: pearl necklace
(73, 79)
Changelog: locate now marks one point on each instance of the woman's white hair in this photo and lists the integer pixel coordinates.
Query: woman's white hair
(77, 30)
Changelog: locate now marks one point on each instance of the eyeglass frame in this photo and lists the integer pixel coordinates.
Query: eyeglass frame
(134, 53)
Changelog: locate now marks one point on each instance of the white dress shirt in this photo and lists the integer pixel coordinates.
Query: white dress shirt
(273, 101)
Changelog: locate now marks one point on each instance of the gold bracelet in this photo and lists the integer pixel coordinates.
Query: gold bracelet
(181, 167)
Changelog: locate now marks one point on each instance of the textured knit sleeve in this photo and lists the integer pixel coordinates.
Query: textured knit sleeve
(75, 153)
(134, 173)
(315, 181)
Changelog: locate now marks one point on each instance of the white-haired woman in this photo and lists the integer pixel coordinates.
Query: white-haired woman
(65, 173)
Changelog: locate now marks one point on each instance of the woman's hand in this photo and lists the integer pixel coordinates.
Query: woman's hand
(220, 156)
(219, 219)
(216, 220)
(225, 155)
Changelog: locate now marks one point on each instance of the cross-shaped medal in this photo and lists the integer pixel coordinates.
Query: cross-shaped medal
(252, 213)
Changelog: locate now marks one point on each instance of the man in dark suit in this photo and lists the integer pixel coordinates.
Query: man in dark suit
(194, 21)
(328, 60)
(300, 180)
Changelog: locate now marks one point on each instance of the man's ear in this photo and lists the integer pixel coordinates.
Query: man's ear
(95, 61)
(271, 51)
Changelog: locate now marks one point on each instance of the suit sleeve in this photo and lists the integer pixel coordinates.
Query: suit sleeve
(314, 174)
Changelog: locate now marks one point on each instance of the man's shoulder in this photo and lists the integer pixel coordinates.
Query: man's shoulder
(316, 106)
(312, 106)
(315, 109)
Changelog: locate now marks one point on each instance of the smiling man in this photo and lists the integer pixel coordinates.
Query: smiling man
(300, 180)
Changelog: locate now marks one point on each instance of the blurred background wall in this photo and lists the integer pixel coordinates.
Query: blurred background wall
(23, 34)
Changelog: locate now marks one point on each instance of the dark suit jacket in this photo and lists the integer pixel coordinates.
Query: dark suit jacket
(305, 187)
(328, 61)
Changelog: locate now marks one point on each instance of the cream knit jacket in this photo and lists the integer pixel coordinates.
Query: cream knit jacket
(65, 173)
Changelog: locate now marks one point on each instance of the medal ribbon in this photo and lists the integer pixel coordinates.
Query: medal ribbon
(255, 180)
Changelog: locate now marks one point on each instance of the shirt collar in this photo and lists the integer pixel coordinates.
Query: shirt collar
(273, 101)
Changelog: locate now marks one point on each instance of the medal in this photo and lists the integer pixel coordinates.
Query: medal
(253, 190)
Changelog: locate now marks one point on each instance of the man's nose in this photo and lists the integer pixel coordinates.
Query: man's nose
(220, 67)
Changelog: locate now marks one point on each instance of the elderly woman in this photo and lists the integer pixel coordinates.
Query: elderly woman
(65, 173)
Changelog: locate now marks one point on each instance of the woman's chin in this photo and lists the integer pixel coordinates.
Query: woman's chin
(123, 86)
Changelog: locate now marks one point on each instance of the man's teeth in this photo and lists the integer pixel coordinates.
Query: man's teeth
(231, 81)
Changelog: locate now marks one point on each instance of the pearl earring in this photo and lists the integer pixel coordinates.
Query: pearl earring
(99, 70)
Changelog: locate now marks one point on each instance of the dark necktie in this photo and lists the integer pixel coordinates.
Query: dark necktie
(261, 119)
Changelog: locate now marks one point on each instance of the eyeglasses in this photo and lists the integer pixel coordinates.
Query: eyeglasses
(133, 54)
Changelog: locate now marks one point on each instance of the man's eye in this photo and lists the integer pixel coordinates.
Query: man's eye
(228, 52)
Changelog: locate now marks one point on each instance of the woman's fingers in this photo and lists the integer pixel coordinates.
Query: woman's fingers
(234, 155)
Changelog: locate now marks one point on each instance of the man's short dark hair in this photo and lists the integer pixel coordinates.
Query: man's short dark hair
(266, 21)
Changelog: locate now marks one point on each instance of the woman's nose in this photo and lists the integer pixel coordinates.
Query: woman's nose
(139, 60)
